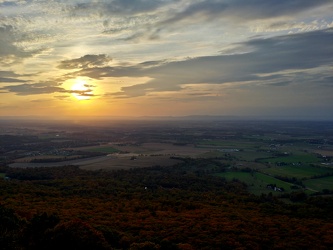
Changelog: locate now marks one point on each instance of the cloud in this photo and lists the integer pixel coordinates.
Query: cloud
(265, 62)
(87, 61)
(9, 52)
(243, 9)
(46, 88)
(32, 89)
(9, 76)
(119, 7)
(4, 79)
(292, 26)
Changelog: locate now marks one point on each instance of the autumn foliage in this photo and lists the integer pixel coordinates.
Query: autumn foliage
(180, 207)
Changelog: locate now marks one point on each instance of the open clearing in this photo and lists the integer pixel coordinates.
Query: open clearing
(123, 161)
(46, 157)
(127, 162)
(320, 183)
(325, 152)
(147, 149)
(144, 155)
(293, 158)
(297, 171)
(257, 182)
(228, 144)
(162, 149)
(107, 150)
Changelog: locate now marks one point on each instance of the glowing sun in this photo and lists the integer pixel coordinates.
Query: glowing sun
(81, 90)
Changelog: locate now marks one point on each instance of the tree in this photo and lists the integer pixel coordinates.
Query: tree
(77, 234)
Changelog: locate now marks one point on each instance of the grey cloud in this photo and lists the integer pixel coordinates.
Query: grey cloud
(98, 73)
(4, 79)
(10, 53)
(7, 39)
(244, 9)
(87, 61)
(268, 56)
(32, 89)
(119, 7)
(9, 76)
(149, 64)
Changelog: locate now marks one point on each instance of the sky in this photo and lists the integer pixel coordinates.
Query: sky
(251, 58)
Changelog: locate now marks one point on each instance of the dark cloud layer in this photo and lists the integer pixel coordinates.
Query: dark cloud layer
(9, 76)
(119, 7)
(268, 57)
(244, 9)
(4, 79)
(9, 52)
(87, 61)
(32, 89)
(265, 63)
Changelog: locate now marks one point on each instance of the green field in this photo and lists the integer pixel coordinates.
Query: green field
(320, 183)
(248, 155)
(257, 182)
(2, 175)
(297, 171)
(293, 158)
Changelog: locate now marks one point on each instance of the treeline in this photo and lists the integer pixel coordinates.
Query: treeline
(77, 154)
(179, 207)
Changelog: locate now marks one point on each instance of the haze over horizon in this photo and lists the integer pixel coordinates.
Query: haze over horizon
(160, 58)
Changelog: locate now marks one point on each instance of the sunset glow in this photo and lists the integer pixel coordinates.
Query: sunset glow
(167, 58)
(81, 90)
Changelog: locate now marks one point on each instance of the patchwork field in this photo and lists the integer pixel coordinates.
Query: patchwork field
(45, 157)
(128, 161)
(267, 152)
(320, 183)
(293, 158)
(140, 155)
(147, 149)
(297, 171)
(325, 152)
(257, 182)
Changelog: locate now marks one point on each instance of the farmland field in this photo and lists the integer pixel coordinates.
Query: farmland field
(46, 157)
(257, 182)
(325, 152)
(239, 144)
(297, 171)
(147, 149)
(102, 149)
(293, 158)
(128, 162)
(320, 183)
(249, 155)
(291, 150)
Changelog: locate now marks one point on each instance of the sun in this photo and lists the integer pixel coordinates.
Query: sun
(81, 90)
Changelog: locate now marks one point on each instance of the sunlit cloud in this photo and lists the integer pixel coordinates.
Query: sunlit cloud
(87, 61)
(151, 52)
(267, 56)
